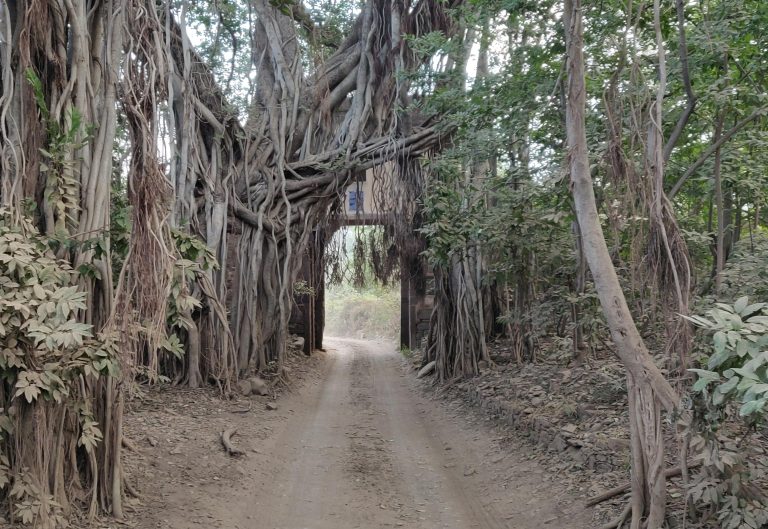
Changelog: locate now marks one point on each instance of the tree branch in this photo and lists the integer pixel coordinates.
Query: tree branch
(691, 97)
(712, 148)
(381, 150)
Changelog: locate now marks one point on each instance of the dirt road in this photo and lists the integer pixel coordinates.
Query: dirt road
(364, 448)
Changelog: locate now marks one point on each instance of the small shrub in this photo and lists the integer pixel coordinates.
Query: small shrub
(733, 387)
(47, 357)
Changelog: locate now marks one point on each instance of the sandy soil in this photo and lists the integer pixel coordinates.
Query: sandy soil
(357, 445)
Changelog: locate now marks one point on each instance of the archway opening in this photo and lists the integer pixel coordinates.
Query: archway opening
(360, 278)
(362, 293)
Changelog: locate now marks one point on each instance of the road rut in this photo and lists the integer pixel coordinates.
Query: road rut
(363, 447)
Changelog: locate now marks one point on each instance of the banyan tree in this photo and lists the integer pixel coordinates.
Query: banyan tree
(151, 226)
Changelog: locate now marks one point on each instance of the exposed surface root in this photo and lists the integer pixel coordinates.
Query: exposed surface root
(226, 440)
(607, 495)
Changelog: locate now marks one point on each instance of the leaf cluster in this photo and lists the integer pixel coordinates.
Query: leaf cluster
(45, 350)
(734, 383)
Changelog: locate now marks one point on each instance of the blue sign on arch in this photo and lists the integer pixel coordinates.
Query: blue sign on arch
(356, 201)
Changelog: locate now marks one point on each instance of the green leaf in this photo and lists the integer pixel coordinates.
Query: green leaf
(728, 386)
(704, 378)
(751, 407)
(751, 309)
(717, 359)
(760, 388)
(746, 373)
(742, 348)
(699, 321)
(39, 291)
(740, 304)
(30, 393)
(719, 341)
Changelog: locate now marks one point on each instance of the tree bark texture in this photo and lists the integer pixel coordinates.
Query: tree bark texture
(648, 389)
(59, 77)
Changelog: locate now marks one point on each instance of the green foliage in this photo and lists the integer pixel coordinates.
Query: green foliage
(62, 190)
(734, 383)
(218, 36)
(195, 254)
(746, 271)
(44, 347)
(45, 352)
(452, 212)
(31, 502)
(333, 21)
(119, 229)
(194, 261)
(737, 369)
(195, 258)
(301, 288)
(516, 223)
(171, 344)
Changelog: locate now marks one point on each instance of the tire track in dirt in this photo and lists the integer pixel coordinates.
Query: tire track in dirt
(363, 448)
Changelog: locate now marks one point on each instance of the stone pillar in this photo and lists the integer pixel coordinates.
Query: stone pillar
(405, 304)
(412, 293)
(319, 288)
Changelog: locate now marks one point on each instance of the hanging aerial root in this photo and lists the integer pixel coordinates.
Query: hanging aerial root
(669, 265)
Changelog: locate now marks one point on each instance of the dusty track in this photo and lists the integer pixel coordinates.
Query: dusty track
(364, 448)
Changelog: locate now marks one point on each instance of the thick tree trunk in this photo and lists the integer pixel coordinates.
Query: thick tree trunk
(194, 379)
(456, 338)
(648, 389)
